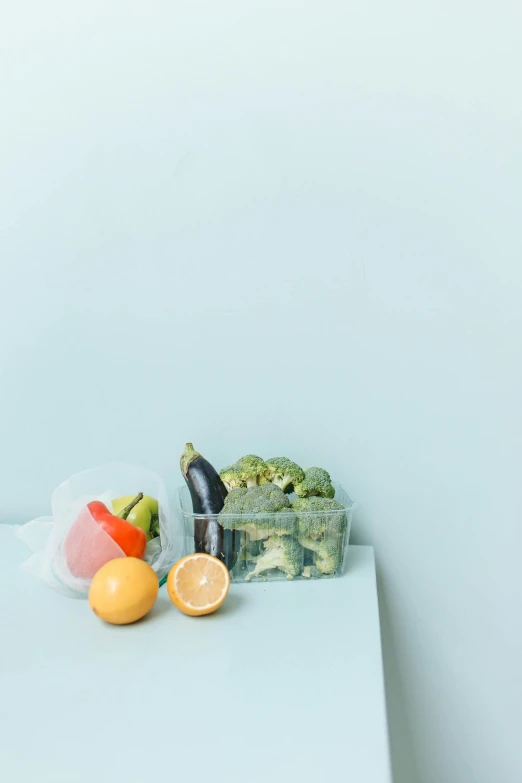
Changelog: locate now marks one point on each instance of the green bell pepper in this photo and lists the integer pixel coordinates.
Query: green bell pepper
(144, 515)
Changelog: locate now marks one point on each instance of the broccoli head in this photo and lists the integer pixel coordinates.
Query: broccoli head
(234, 501)
(319, 517)
(322, 523)
(329, 557)
(285, 524)
(281, 552)
(249, 551)
(248, 471)
(283, 472)
(255, 507)
(316, 482)
(230, 478)
(265, 499)
(328, 553)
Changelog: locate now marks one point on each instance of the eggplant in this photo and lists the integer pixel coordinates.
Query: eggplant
(208, 495)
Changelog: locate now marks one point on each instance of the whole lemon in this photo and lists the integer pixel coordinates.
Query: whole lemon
(123, 590)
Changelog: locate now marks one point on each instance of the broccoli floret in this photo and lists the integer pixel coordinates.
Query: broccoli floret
(322, 523)
(266, 499)
(316, 482)
(312, 572)
(319, 517)
(248, 471)
(328, 553)
(254, 505)
(250, 550)
(254, 548)
(283, 472)
(285, 524)
(329, 556)
(230, 478)
(234, 501)
(281, 552)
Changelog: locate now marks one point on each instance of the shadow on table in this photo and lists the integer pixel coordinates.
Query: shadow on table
(404, 763)
(164, 606)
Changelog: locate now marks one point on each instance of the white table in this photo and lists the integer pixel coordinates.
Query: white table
(285, 684)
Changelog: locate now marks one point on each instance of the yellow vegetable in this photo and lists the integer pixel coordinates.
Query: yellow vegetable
(123, 590)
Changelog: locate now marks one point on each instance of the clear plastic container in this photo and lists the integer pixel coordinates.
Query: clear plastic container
(309, 545)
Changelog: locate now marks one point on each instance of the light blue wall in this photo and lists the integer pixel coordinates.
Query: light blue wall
(288, 227)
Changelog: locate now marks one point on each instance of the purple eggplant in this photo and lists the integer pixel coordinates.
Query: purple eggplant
(208, 495)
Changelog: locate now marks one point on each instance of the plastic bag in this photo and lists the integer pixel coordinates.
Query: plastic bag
(89, 547)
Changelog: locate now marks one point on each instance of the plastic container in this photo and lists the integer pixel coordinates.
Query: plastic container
(325, 535)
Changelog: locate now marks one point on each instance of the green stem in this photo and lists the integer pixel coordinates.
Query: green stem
(188, 456)
(124, 513)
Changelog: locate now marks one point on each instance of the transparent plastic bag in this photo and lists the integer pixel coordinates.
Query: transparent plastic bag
(69, 547)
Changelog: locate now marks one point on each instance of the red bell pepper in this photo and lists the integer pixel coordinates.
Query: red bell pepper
(86, 549)
(131, 539)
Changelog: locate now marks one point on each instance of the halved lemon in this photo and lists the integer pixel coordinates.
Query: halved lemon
(198, 584)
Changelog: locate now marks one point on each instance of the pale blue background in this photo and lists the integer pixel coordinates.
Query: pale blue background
(288, 225)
